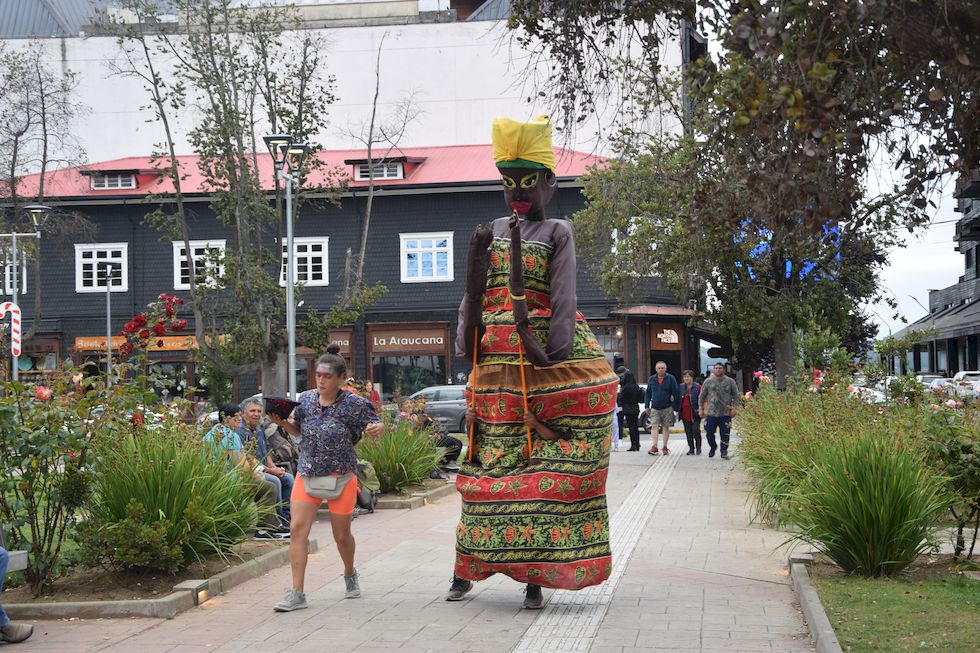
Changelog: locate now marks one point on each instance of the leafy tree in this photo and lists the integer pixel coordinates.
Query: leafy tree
(780, 206)
(38, 109)
(242, 69)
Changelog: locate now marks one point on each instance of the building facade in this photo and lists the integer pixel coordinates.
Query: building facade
(428, 203)
(954, 311)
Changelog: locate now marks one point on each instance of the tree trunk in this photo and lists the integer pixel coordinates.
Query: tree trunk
(784, 355)
(274, 372)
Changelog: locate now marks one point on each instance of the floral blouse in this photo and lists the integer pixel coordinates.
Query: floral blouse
(329, 432)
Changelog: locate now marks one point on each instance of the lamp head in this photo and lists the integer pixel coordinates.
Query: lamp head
(276, 144)
(38, 213)
(295, 155)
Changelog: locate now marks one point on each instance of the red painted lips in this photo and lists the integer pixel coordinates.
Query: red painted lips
(522, 208)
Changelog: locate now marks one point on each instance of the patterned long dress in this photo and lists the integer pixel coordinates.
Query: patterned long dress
(545, 520)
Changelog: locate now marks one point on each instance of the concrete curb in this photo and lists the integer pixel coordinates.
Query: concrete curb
(418, 499)
(813, 611)
(166, 607)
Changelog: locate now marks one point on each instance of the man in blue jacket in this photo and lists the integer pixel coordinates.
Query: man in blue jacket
(10, 632)
(662, 393)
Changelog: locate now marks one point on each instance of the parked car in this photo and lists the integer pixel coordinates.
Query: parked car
(868, 395)
(445, 404)
(927, 379)
(938, 386)
(962, 384)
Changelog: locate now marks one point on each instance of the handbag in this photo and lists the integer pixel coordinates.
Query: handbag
(327, 487)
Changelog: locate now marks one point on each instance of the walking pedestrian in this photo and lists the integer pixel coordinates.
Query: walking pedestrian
(662, 391)
(717, 405)
(10, 631)
(630, 397)
(687, 409)
(330, 421)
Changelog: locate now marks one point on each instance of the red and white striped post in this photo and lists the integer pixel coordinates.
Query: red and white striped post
(15, 330)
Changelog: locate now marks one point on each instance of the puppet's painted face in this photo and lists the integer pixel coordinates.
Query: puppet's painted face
(528, 190)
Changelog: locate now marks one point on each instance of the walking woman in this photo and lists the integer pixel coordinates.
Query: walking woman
(630, 397)
(330, 421)
(687, 406)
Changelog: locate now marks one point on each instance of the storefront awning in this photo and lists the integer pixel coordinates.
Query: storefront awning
(670, 310)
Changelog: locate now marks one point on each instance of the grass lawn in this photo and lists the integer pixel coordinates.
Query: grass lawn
(937, 612)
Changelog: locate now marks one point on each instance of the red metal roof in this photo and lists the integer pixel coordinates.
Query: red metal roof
(444, 165)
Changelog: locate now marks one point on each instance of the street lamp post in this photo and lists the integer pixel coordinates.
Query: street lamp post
(108, 269)
(38, 212)
(287, 158)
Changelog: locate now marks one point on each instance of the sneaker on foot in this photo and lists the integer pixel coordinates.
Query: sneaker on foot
(294, 600)
(15, 632)
(262, 534)
(533, 600)
(654, 451)
(711, 452)
(724, 456)
(352, 588)
(690, 452)
(458, 589)
(666, 451)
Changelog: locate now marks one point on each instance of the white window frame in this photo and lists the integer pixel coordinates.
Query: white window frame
(8, 281)
(210, 279)
(122, 261)
(403, 255)
(121, 180)
(297, 242)
(382, 170)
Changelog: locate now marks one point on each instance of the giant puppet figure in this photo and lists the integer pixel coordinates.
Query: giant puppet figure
(541, 393)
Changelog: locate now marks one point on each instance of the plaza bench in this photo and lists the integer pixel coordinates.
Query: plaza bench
(18, 559)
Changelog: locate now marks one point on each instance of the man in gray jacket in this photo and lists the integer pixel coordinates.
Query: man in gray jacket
(717, 405)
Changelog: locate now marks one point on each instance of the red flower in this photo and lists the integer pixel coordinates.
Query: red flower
(160, 330)
(140, 320)
(130, 327)
(159, 343)
(137, 419)
(179, 325)
(42, 393)
(144, 334)
(169, 310)
(126, 349)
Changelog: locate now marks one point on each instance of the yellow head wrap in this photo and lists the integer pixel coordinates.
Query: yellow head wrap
(523, 144)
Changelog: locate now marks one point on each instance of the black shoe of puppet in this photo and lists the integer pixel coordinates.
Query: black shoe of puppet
(533, 599)
(458, 589)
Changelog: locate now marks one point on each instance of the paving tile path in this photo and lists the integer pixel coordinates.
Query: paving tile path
(691, 575)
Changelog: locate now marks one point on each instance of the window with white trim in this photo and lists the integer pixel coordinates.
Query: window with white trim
(8, 277)
(113, 180)
(208, 260)
(309, 261)
(382, 170)
(96, 262)
(427, 257)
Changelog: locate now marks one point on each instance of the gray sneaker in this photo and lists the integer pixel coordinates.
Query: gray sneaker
(352, 587)
(294, 600)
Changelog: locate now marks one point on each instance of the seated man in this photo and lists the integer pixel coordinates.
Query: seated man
(251, 431)
(415, 413)
(9, 631)
(224, 435)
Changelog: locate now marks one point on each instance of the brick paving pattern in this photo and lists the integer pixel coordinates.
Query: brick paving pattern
(699, 578)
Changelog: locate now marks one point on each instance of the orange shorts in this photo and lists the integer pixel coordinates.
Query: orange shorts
(342, 505)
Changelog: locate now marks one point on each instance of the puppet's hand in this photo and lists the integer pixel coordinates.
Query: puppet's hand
(479, 261)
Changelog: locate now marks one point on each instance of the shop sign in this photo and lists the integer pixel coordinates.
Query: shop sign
(667, 336)
(409, 340)
(43, 345)
(170, 343)
(343, 338)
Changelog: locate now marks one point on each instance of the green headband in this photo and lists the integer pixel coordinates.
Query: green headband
(521, 163)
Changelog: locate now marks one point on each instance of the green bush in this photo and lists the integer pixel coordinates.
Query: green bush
(401, 456)
(954, 449)
(161, 501)
(781, 434)
(871, 505)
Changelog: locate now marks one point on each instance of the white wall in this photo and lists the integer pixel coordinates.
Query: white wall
(464, 75)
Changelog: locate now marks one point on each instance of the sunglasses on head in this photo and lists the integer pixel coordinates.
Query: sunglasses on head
(325, 372)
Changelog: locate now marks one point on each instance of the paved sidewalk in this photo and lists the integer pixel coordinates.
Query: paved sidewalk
(699, 578)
